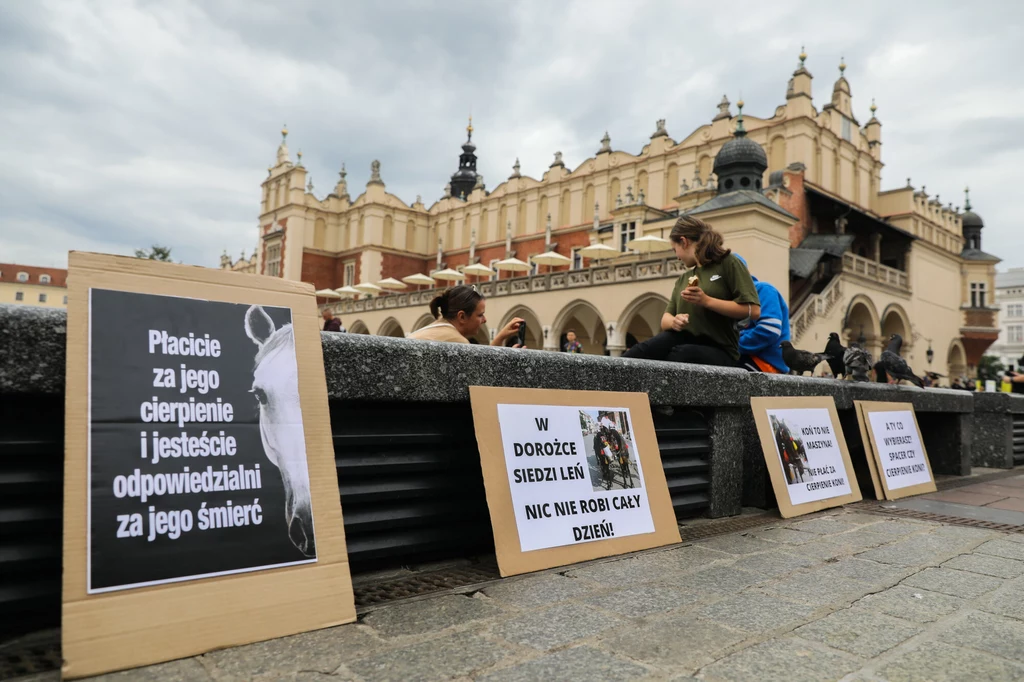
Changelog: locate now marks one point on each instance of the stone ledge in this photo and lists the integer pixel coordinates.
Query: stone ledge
(999, 403)
(378, 368)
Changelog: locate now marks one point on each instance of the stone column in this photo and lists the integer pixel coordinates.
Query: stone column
(876, 247)
(728, 460)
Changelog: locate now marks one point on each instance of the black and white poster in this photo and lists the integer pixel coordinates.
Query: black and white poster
(197, 456)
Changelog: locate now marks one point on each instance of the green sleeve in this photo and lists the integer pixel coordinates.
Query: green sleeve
(673, 300)
(741, 283)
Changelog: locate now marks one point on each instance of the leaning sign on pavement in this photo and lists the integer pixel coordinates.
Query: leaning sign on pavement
(896, 456)
(570, 475)
(805, 451)
(199, 469)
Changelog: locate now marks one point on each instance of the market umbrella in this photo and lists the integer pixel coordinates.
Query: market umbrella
(391, 283)
(478, 270)
(419, 279)
(598, 251)
(649, 244)
(327, 293)
(551, 258)
(512, 265)
(368, 288)
(449, 275)
(347, 291)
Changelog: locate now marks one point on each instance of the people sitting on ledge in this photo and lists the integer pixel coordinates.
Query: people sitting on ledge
(760, 343)
(711, 301)
(459, 312)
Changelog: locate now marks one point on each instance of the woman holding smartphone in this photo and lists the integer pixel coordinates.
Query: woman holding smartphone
(459, 312)
(710, 302)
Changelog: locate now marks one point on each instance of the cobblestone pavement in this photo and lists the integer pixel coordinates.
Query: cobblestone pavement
(837, 596)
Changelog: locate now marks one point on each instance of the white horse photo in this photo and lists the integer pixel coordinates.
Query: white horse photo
(276, 386)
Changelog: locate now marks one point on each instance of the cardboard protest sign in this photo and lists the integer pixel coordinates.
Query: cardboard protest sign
(570, 476)
(806, 454)
(200, 487)
(895, 452)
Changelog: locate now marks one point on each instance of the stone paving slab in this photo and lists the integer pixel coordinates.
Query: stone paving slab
(836, 595)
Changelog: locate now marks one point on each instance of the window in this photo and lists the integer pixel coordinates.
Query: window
(350, 273)
(19, 296)
(42, 298)
(577, 259)
(977, 294)
(44, 279)
(1015, 310)
(22, 276)
(627, 233)
(65, 300)
(1015, 333)
(847, 129)
(272, 268)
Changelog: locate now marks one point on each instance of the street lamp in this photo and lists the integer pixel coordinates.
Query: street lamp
(860, 338)
(930, 354)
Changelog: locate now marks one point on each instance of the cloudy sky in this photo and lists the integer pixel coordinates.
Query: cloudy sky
(124, 124)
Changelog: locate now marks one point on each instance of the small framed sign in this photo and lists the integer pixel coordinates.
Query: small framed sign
(806, 454)
(895, 451)
(570, 475)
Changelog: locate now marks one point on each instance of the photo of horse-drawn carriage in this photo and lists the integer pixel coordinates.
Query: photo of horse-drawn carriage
(791, 451)
(611, 452)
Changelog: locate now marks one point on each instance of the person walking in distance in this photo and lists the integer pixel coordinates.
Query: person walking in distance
(331, 323)
(571, 344)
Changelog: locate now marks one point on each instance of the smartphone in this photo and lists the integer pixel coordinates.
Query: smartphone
(522, 333)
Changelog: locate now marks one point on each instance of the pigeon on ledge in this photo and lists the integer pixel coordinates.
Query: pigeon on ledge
(800, 361)
(857, 362)
(836, 354)
(895, 366)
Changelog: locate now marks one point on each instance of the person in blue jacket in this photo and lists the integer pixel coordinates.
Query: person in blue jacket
(760, 349)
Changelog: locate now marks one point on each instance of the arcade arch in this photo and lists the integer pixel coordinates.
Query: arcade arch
(534, 330)
(896, 321)
(642, 318)
(358, 327)
(862, 320)
(584, 319)
(391, 327)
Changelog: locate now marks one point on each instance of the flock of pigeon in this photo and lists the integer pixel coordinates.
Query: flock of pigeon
(853, 362)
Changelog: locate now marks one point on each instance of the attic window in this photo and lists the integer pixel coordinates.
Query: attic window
(846, 127)
(745, 182)
(44, 279)
(22, 276)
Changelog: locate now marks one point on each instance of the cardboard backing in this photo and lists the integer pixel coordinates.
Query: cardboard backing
(760, 407)
(875, 464)
(113, 631)
(513, 561)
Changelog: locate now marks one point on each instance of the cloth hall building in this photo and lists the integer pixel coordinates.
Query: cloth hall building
(798, 194)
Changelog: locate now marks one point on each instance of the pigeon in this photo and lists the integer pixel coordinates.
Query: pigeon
(895, 366)
(857, 362)
(800, 361)
(880, 375)
(836, 353)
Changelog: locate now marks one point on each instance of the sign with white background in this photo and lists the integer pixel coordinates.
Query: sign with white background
(899, 449)
(808, 451)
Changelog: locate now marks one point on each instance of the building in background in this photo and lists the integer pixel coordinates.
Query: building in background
(243, 264)
(31, 285)
(797, 193)
(1010, 299)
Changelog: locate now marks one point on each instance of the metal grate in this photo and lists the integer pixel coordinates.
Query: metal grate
(39, 653)
(374, 593)
(877, 507)
(1018, 439)
(31, 495)
(732, 524)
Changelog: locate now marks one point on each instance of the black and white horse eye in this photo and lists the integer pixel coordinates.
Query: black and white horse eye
(260, 394)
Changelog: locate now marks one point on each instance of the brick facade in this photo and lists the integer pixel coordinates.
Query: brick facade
(796, 203)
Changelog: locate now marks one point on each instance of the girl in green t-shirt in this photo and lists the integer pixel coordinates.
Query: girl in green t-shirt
(702, 320)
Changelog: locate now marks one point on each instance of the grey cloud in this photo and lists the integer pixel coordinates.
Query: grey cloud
(146, 122)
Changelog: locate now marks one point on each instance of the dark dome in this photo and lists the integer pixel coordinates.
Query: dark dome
(972, 219)
(776, 178)
(740, 150)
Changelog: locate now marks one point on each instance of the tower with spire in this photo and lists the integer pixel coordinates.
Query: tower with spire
(741, 162)
(972, 224)
(464, 180)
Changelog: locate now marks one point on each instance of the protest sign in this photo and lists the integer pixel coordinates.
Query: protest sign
(200, 486)
(806, 454)
(570, 475)
(895, 452)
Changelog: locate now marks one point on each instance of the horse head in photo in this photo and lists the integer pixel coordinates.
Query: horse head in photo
(275, 385)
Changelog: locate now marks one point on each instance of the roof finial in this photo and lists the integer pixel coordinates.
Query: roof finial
(343, 173)
(299, 163)
(842, 65)
(284, 132)
(803, 55)
(967, 198)
(606, 144)
(515, 169)
(873, 107)
(740, 130)
(469, 128)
